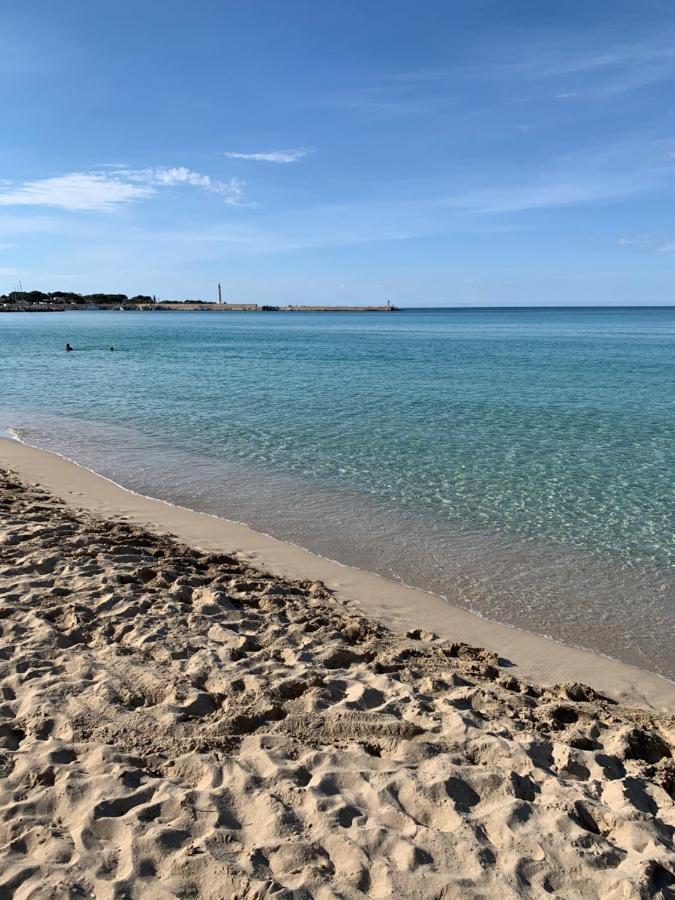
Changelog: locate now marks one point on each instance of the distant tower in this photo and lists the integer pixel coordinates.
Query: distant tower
(220, 296)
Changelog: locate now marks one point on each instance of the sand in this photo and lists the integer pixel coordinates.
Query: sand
(175, 722)
(395, 605)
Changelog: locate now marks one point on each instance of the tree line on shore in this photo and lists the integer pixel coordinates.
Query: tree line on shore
(70, 298)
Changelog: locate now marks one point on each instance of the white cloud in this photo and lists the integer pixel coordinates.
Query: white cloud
(76, 191)
(176, 175)
(105, 190)
(668, 247)
(232, 189)
(274, 156)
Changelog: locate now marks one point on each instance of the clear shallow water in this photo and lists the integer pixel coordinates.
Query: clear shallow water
(519, 462)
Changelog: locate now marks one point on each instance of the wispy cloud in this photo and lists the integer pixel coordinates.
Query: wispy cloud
(390, 105)
(75, 191)
(650, 241)
(545, 193)
(579, 67)
(111, 188)
(614, 70)
(587, 66)
(231, 190)
(273, 156)
(644, 240)
(596, 174)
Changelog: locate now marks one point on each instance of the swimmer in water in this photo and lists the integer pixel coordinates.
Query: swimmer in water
(111, 349)
(69, 349)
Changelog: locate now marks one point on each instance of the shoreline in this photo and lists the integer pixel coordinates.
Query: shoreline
(177, 722)
(396, 605)
(187, 306)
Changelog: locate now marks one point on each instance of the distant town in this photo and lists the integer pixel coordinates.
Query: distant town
(61, 301)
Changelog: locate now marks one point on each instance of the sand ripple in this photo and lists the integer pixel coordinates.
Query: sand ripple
(175, 723)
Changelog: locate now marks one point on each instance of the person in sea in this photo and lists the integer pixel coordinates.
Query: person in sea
(111, 349)
(69, 349)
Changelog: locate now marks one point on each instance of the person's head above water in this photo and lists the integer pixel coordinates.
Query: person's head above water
(68, 348)
(112, 348)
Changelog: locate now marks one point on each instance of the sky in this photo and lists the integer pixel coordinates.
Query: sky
(429, 153)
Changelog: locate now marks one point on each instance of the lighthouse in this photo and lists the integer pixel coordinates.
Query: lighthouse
(220, 296)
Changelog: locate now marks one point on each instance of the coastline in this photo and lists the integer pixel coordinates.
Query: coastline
(397, 606)
(178, 722)
(184, 306)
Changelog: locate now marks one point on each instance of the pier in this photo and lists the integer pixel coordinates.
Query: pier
(60, 301)
(205, 306)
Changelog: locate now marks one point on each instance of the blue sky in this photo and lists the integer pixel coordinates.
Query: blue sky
(461, 152)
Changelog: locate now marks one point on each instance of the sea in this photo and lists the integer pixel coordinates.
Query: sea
(517, 462)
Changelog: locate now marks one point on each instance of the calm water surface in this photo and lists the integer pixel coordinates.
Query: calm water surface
(519, 462)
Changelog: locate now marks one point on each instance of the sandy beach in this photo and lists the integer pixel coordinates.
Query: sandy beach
(395, 605)
(180, 719)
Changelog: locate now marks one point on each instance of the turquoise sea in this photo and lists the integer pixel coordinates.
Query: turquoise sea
(518, 462)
